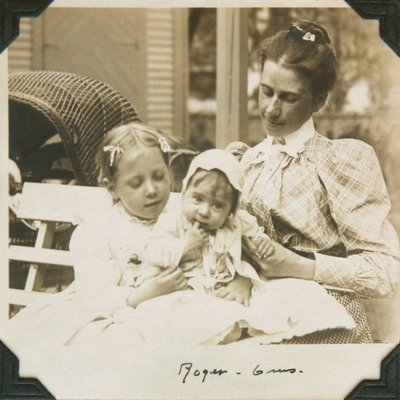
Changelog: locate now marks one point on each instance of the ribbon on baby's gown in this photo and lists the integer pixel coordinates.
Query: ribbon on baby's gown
(220, 266)
(214, 270)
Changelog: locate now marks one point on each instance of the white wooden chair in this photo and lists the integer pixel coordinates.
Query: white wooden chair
(49, 204)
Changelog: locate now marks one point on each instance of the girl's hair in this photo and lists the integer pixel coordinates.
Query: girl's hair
(123, 138)
(217, 181)
(176, 152)
(306, 48)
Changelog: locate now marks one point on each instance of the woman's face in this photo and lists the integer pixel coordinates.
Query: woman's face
(141, 182)
(285, 100)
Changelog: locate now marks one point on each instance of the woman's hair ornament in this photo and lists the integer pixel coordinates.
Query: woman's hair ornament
(309, 36)
(308, 31)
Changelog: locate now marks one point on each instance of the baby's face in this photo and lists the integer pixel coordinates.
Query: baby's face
(207, 206)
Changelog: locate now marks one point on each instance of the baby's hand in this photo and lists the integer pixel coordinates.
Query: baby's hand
(239, 289)
(264, 246)
(195, 236)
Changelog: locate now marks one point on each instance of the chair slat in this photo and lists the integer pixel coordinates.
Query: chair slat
(23, 298)
(62, 203)
(40, 256)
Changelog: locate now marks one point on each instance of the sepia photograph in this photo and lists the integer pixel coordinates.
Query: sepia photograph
(203, 200)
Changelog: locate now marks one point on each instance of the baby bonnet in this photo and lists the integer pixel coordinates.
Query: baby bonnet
(220, 160)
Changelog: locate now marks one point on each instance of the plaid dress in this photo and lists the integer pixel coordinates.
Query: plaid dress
(328, 202)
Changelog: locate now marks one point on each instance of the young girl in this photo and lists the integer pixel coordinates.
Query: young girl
(133, 166)
(203, 237)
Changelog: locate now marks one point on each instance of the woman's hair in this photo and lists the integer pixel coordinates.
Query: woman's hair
(216, 181)
(122, 138)
(306, 48)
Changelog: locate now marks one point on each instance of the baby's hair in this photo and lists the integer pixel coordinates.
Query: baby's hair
(217, 181)
(122, 138)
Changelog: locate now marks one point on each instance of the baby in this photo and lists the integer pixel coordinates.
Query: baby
(203, 235)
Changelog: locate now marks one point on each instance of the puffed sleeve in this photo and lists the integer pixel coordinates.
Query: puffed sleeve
(97, 272)
(165, 245)
(359, 205)
(237, 149)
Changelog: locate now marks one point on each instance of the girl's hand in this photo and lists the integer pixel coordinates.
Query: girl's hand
(282, 263)
(168, 281)
(239, 289)
(263, 245)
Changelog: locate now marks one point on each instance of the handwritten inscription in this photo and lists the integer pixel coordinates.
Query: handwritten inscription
(258, 371)
(187, 367)
(187, 370)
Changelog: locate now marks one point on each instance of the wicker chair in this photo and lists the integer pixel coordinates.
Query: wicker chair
(80, 109)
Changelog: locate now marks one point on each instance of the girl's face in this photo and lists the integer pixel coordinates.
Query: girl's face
(141, 182)
(285, 100)
(207, 205)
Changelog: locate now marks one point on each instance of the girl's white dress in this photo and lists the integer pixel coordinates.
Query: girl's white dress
(84, 311)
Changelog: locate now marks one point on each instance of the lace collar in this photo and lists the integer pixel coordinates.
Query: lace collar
(132, 218)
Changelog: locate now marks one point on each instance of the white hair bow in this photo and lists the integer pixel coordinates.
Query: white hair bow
(114, 150)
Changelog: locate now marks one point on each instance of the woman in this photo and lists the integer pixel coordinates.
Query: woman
(324, 200)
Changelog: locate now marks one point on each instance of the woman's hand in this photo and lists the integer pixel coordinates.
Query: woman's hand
(168, 281)
(282, 263)
(238, 289)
